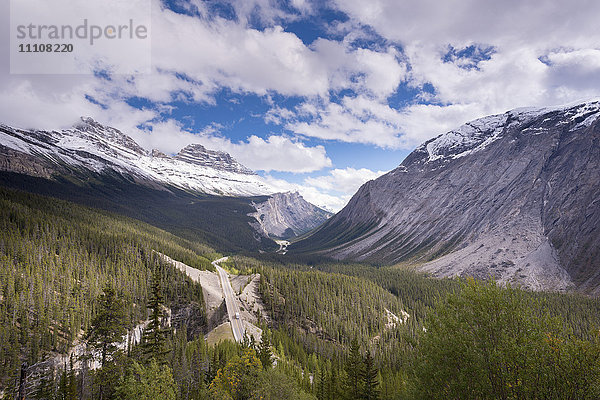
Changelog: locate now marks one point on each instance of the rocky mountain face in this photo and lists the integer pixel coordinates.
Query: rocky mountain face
(199, 155)
(91, 152)
(90, 146)
(514, 196)
(285, 215)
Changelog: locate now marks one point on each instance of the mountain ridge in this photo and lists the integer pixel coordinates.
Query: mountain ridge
(93, 146)
(96, 164)
(513, 196)
(286, 215)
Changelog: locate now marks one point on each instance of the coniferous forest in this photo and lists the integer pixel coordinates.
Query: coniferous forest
(76, 278)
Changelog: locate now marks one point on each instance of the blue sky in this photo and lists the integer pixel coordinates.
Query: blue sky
(319, 96)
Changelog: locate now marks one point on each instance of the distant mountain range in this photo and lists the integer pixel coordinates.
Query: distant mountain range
(514, 196)
(99, 165)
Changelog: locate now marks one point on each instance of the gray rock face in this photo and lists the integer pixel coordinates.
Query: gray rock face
(285, 215)
(91, 130)
(199, 155)
(515, 196)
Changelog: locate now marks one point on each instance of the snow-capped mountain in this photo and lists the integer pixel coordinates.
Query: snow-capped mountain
(90, 148)
(515, 196)
(98, 148)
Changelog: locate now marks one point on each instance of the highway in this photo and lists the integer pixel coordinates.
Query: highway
(237, 324)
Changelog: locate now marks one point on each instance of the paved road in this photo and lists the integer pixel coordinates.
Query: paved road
(237, 325)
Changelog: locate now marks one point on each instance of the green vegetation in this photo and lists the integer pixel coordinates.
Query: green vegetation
(221, 222)
(147, 383)
(331, 331)
(107, 326)
(56, 259)
(486, 343)
(318, 311)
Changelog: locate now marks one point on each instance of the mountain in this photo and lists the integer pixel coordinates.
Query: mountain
(197, 193)
(515, 196)
(285, 215)
(94, 147)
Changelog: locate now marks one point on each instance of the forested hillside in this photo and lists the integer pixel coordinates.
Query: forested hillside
(71, 274)
(55, 260)
(222, 222)
(323, 308)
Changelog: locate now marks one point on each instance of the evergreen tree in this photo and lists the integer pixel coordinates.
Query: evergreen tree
(264, 351)
(45, 387)
(71, 390)
(353, 368)
(154, 338)
(63, 385)
(333, 393)
(108, 326)
(322, 386)
(246, 341)
(153, 382)
(369, 379)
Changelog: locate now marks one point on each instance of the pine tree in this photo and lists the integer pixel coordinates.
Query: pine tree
(71, 392)
(353, 368)
(63, 384)
(108, 326)
(322, 386)
(45, 387)
(369, 379)
(148, 382)
(264, 351)
(334, 390)
(154, 338)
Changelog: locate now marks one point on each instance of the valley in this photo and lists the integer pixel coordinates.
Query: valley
(117, 279)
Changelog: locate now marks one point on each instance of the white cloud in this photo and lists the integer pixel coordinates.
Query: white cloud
(331, 191)
(518, 22)
(346, 180)
(279, 153)
(356, 119)
(275, 153)
(277, 115)
(544, 53)
(225, 53)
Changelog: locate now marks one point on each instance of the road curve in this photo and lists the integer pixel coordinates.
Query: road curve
(237, 325)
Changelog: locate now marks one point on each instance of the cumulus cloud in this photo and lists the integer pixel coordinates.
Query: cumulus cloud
(357, 119)
(346, 180)
(516, 22)
(274, 153)
(227, 53)
(541, 54)
(330, 191)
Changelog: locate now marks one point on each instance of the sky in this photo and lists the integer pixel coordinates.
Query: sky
(316, 96)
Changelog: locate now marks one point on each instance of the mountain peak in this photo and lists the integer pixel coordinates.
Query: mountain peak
(200, 155)
(93, 130)
(476, 135)
(287, 214)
